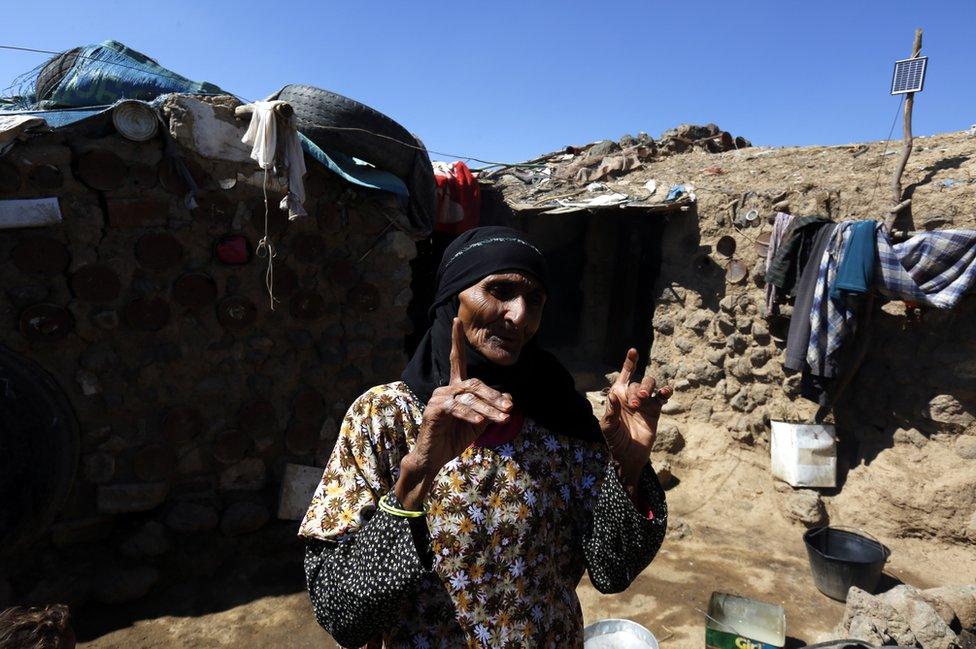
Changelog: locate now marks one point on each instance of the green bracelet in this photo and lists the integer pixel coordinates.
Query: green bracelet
(396, 511)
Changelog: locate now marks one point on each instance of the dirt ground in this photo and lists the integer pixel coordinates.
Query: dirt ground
(726, 534)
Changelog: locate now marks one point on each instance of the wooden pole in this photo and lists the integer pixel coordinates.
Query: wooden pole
(906, 150)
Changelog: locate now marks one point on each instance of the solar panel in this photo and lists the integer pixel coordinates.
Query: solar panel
(909, 75)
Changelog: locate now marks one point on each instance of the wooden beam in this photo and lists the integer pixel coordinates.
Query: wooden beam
(908, 142)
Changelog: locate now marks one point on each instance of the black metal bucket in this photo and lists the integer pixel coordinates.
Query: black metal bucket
(841, 558)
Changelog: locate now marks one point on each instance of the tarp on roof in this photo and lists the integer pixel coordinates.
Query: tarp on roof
(97, 75)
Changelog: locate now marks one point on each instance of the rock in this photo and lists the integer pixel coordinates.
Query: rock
(190, 517)
(716, 357)
(945, 409)
(928, 627)
(726, 325)
(965, 447)
(84, 530)
(88, 382)
(663, 324)
(683, 384)
(148, 541)
(115, 585)
(759, 357)
(741, 369)
(673, 408)
(106, 319)
(698, 321)
(669, 438)
(872, 620)
(246, 475)
(243, 518)
(744, 325)
(684, 345)
(909, 436)
(603, 148)
(760, 331)
(98, 468)
(125, 498)
(737, 343)
(805, 506)
(701, 409)
(742, 402)
(727, 304)
(664, 474)
(962, 601)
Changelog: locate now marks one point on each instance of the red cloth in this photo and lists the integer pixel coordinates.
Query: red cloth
(498, 434)
(458, 198)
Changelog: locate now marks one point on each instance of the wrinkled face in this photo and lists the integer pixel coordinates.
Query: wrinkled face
(501, 313)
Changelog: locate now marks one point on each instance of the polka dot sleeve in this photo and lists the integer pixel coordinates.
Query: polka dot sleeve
(357, 586)
(621, 540)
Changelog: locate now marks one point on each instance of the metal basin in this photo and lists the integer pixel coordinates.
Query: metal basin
(618, 634)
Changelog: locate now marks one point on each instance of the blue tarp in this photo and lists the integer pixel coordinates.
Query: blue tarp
(105, 73)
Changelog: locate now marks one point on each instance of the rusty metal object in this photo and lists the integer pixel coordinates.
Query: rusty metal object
(181, 424)
(736, 272)
(96, 283)
(726, 246)
(364, 297)
(231, 446)
(102, 170)
(236, 312)
(195, 290)
(257, 417)
(309, 248)
(10, 179)
(46, 322)
(308, 306)
(147, 313)
(158, 251)
(41, 256)
(153, 463)
(44, 178)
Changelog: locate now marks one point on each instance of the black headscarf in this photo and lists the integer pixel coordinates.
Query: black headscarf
(539, 384)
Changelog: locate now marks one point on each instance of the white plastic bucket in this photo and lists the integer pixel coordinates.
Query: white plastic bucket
(804, 455)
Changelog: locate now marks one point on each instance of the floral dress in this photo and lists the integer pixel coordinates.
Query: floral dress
(511, 525)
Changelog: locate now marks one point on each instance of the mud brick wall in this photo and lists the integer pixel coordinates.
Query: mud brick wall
(190, 391)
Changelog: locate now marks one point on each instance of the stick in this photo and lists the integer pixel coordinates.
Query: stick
(908, 141)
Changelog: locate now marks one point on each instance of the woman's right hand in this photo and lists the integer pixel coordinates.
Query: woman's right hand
(455, 416)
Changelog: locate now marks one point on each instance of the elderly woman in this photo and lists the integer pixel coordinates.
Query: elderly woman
(462, 503)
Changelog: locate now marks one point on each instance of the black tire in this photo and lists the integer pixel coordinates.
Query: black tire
(38, 451)
(381, 141)
(53, 72)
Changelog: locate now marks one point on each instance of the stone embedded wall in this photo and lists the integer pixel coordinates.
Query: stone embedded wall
(907, 456)
(191, 393)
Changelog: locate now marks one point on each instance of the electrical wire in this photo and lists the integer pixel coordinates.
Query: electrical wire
(884, 151)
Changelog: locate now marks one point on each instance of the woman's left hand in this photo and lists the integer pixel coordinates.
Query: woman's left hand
(630, 420)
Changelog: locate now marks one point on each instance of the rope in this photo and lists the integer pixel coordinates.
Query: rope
(266, 249)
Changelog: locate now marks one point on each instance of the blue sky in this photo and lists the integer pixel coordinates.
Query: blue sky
(510, 80)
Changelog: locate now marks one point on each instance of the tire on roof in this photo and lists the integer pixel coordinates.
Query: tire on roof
(369, 135)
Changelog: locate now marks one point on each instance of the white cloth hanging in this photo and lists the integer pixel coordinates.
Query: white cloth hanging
(262, 134)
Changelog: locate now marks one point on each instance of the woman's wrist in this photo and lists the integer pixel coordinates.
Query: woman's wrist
(414, 483)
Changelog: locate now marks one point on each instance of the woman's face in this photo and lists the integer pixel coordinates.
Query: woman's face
(500, 314)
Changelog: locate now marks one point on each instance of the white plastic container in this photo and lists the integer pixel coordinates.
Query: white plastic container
(804, 455)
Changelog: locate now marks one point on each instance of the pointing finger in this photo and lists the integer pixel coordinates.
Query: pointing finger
(459, 366)
(630, 362)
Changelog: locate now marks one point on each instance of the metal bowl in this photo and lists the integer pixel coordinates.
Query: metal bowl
(618, 634)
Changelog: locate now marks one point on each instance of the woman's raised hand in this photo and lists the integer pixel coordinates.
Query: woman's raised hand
(630, 421)
(455, 416)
